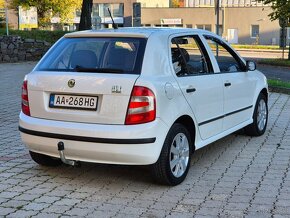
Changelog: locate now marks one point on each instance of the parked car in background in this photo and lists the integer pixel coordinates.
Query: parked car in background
(139, 96)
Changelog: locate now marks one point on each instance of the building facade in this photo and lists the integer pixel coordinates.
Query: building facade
(241, 21)
(243, 25)
(121, 11)
(154, 3)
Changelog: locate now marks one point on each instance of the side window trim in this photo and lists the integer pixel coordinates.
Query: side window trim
(205, 54)
(203, 50)
(235, 56)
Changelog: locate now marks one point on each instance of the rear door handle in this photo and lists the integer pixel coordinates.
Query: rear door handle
(227, 84)
(190, 90)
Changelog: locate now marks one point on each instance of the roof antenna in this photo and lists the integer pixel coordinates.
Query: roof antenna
(114, 25)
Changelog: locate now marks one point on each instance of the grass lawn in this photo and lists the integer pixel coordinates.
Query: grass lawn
(275, 47)
(278, 83)
(275, 62)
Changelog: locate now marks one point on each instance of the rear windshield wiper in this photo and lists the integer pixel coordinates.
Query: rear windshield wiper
(100, 70)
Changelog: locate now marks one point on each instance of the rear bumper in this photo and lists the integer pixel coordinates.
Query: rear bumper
(113, 144)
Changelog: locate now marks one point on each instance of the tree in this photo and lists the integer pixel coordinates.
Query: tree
(2, 4)
(86, 19)
(2, 14)
(46, 9)
(281, 9)
(66, 9)
(174, 3)
(281, 12)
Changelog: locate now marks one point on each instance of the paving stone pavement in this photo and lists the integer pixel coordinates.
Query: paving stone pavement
(237, 176)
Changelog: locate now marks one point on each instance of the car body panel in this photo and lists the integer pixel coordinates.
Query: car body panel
(211, 100)
(111, 108)
(114, 153)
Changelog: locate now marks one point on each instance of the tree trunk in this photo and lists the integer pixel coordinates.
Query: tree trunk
(86, 20)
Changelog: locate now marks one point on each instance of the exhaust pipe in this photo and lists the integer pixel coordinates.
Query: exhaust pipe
(60, 147)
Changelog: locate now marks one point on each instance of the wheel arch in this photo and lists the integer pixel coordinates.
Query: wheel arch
(264, 91)
(189, 124)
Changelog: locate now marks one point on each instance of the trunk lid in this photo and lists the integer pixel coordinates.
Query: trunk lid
(111, 90)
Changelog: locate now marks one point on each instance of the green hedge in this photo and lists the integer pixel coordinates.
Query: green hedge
(48, 36)
(275, 62)
(279, 83)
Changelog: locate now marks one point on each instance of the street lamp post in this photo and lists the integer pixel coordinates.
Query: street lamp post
(217, 12)
(6, 18)
(217, 9)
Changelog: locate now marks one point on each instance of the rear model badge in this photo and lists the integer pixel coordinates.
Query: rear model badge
(71, 83)
(116, 89)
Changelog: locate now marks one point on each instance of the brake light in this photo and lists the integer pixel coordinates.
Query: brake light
(25, 101)
(142, 106)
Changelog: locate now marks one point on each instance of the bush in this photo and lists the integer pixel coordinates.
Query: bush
(48, 36)
(275, 62)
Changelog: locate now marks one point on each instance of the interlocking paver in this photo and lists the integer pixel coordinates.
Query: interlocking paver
(81, 212)
(14, 204)
(237, 176)
(59, 209)
(4, 211)
(22, 213)
(46, 215)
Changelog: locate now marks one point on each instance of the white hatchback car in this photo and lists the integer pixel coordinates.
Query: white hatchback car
(139, 96)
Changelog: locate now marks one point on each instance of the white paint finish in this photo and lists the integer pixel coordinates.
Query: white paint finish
(210, 100)
(169, 90)
(111, 109)
(96, 152)
(238, 96)
(206, 102)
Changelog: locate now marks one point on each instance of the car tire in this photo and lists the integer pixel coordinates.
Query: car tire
(260, 118)
(173, 163)
(45, 160)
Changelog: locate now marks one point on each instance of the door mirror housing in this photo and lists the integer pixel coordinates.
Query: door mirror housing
(251, 65)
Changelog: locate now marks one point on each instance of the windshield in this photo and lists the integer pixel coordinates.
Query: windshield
(103, 55)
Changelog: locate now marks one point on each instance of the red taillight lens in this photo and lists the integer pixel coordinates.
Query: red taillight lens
(142, 106)
(25, 101)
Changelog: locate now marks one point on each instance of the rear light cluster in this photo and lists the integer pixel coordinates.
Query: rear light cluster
(142, 106)
(24, 96)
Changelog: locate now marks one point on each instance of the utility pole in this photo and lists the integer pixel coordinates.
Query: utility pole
(217, 12)
(6, 18)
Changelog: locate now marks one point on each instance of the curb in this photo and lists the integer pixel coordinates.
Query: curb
(279, 90)
(271, 64)
(263, 50)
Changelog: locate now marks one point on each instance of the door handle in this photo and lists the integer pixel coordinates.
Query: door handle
(190, 90)
(227, 84)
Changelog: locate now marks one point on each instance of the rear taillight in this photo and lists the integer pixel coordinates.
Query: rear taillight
(25, 101)
(142, 106)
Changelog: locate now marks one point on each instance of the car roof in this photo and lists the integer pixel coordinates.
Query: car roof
(139, 32)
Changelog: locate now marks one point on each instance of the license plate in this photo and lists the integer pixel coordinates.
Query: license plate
(73, 102)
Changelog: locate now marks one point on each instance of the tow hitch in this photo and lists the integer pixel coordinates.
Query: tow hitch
(60, 147)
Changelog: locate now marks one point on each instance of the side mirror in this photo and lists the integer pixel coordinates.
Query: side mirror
(251, 65)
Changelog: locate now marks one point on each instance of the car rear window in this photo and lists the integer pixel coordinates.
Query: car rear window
(97, 55)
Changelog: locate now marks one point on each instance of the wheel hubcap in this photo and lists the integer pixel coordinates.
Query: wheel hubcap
(179, 155)
(262, 115)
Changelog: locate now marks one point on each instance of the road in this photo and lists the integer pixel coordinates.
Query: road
(237, 176)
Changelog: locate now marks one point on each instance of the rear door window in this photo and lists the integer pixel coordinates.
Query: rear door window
(189, 56)
(104, 55)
